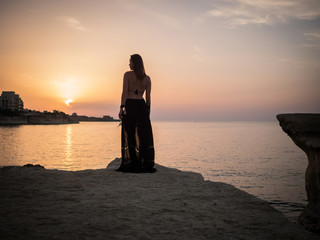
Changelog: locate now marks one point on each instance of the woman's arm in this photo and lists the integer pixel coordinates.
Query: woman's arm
(124, 89)
(148, 92)
(124, 94)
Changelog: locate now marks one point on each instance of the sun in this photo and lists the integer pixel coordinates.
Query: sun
(68, 101)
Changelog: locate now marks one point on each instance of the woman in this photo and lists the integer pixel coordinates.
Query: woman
(136, 135)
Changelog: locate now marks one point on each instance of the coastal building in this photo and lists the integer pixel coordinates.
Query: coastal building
(9, 100)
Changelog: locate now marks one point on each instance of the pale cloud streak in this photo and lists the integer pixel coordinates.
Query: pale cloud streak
(163, 18)
(299, 63)
(313, 40)
(200, 56)
(264, 12)
(313, 36)
(71, 22)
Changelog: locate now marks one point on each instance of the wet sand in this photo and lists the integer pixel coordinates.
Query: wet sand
(37, 203)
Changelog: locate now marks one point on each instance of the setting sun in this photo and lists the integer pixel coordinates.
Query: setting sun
(68, 101)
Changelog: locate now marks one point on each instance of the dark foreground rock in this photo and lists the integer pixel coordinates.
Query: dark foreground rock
(304, 130)
(37, 203)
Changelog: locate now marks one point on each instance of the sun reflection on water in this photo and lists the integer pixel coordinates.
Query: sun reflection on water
(68, 161)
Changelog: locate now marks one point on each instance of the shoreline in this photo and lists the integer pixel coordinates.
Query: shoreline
(54, 123)
(62, 123)
(38, 118)
(99, 204)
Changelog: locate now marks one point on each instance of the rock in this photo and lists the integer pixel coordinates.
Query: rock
(38, 166)
(304, 130)
(33, 166)
(107, 204)
(115, 164)
(13, 120)
(39, 118)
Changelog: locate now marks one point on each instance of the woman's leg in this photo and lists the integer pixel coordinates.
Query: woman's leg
(130, 161)
(146, 149)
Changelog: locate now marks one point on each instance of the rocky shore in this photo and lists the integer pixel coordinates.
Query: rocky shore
(50, 118)
(39, 118)
(304, 130)
(37, 203)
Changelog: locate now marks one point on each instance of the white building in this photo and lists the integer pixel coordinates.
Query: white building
(9, 100)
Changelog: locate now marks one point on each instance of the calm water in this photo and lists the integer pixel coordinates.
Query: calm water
(257, 157)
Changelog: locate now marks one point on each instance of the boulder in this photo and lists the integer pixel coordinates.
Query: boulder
(304, 130)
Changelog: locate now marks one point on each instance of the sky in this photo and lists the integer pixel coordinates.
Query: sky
(208, 60)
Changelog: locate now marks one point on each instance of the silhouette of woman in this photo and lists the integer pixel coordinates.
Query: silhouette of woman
(137, 149)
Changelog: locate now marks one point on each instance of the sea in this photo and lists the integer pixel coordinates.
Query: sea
(257, 157)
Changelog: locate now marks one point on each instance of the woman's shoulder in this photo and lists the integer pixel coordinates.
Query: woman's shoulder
(128, 73)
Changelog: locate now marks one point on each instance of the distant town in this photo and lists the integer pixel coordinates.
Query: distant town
(12, 111)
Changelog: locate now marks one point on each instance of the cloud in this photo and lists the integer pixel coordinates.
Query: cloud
(199, 56)
(299, 62)
(71, 22)
(165, 19)
(141, 7)
(264, 12)
(313, 36)
(313, 40)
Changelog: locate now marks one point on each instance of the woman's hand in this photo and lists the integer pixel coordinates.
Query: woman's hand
(121, 113)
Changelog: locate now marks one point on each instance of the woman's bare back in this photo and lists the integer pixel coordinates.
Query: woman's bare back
(136, 87)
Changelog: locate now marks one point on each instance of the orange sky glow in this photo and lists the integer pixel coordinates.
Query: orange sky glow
(208, 60)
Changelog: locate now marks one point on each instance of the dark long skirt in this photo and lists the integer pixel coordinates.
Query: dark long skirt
(137, 149)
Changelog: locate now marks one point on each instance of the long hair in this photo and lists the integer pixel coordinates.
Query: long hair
(138, 67)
